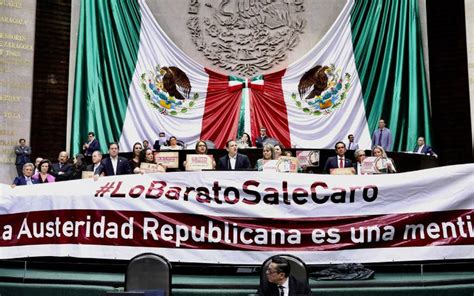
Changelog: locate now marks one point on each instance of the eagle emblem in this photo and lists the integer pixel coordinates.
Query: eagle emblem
(322, 90)
(168, 90)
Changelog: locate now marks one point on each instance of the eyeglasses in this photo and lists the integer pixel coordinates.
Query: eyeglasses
(269, 271)
(201, 145)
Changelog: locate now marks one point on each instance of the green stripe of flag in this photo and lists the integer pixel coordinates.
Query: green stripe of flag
(107, 50)
(389, 58)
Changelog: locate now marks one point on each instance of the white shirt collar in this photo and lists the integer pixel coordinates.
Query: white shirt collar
(286, 286)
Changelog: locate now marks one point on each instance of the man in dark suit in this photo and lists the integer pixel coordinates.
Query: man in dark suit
(338, 161)
(62, 170)
(280, 282)
(96, 165)
(22, 155)
(422, 148)
(91, 145)
(114, 164)
(25, 178)
(262, 138)
(233, 160)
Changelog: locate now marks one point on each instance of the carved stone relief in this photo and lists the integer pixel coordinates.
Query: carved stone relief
(245, 36)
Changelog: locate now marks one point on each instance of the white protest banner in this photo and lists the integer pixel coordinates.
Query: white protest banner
(243, 217)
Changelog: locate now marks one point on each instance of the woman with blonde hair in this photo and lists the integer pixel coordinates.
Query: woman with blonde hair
(385, 164)
(268, 154)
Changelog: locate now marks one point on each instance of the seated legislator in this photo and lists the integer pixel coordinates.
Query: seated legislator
(147, 157)
(134, 162)
(268, 154)
(78, 166)
(280, 281)
(201, 148)
(359, 156)
(173, 144)
(44, 176)
(96, 165)
(386, 165)
(37, 162)
(115, 164)
(338, 161)
(233, 160)
(160, 142)
(244, 142)
(62, 170)
(278, 151)
(422, 148)
(25, 179)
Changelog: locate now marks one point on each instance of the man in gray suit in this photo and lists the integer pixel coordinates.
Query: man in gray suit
(23, 153)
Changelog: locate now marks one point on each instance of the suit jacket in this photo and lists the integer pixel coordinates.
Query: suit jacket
(356, 167)
(22, 154)
(66, 171)
(425, 150)
(93, 146)
(354, 146)
(123, 167)
(332, 163)
(295, 287)
(19, 181)
(259, 141)
(242, 162)
(385, 139)
(98, 170)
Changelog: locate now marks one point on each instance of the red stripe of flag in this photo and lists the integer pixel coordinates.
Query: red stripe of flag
(268, 109)
(221, 110)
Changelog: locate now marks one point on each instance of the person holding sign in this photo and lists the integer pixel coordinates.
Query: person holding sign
(200, 160)
(383, 163)
(148, 164)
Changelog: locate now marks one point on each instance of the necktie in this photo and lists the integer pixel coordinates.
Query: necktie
(349, 148)
(282, 293)
(380, 138)
(341, 163)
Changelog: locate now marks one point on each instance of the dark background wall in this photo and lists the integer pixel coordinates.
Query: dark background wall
(448, 80)
(50, 81)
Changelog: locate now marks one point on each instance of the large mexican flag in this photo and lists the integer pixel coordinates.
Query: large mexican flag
(133, 82)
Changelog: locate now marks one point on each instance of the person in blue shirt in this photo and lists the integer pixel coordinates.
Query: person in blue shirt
(382, 136)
